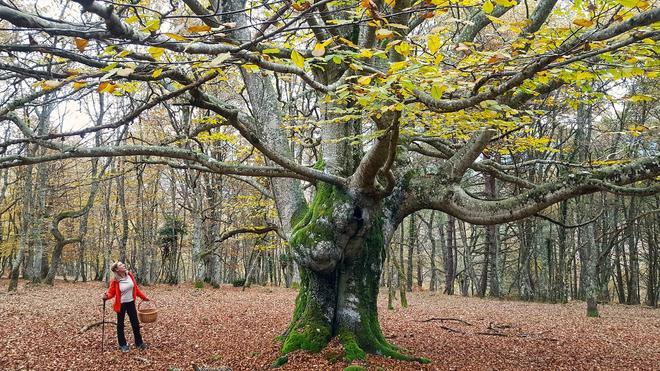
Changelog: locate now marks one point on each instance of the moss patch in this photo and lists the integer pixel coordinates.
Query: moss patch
(308, 329)
(316, 225)
(352, 350)
(370, 337)
(280, 361)
(354, 368)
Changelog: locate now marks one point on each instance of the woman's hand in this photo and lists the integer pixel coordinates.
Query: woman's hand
(105, 296)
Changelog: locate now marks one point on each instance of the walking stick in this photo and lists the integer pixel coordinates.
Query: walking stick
(103, 328)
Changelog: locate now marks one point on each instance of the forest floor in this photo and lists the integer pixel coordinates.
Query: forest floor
(226, 328)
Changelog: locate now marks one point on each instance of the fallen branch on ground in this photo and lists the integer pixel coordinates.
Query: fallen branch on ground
(451, 329)
(492, 334)
(99, 323)
(445, 319)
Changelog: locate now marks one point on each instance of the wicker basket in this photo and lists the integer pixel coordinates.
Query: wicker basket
(149, 314)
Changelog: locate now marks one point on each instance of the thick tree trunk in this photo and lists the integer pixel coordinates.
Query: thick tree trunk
(198, 265)
(38, 229)
(340, 247)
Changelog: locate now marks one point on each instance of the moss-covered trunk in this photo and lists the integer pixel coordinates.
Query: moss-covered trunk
(340, 248)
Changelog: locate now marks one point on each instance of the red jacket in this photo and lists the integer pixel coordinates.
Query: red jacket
(113, 290)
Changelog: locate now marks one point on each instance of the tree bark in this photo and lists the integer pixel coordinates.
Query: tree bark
(23, 241)
(433, 286)
(449, 256)
(340, 246)
(412, 237)
(492, 245)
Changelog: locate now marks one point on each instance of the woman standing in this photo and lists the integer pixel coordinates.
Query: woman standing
(125, 291)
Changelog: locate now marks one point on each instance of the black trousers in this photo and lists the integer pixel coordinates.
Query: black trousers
(135, 324)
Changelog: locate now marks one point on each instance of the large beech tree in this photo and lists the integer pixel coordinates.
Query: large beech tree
(457, 83)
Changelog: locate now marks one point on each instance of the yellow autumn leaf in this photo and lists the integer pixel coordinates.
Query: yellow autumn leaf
(488, 7)
(384, 34)
(297, 59)
(434, 43)
(251, 68)
(175, 36)
(495, 19)
(364, 80)
(199, 28)
(349, 42)
(132, 19)
(397, 66)
(156, 52)
(152, 25)
(106, 87)
(81, 44)
(319, 50)
(583, 22)
(403, 48)
(641, 98)
(366, 53)
(79, 85)
(156, 72)
(506, 3)
(628, 3)
(437, 90)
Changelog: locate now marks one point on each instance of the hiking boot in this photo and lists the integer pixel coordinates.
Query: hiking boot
(123, 348)
(142, 346)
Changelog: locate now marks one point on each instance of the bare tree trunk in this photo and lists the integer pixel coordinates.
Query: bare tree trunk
(23, 240)
(389, 271)
(60, 240)
(420, 265)
(412, 237)
(652, 284)
(198, 265)
(633, 279)
(492, 244)
(400, 274)
(39, 269)
(433, 286)
(560, 292)
(121, 196)
(449, 256)
(525, 274)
